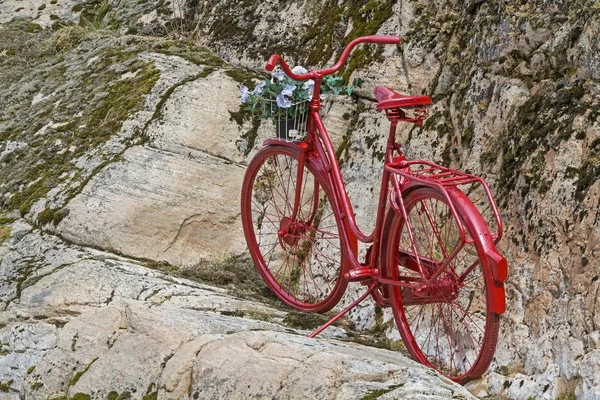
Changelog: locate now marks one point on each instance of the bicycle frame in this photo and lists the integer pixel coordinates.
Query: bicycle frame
(417, 263)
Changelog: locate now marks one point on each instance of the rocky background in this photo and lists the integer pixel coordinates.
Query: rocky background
(122, 150)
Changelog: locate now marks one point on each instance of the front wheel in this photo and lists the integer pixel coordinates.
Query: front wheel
(300, 259)
(448, 325)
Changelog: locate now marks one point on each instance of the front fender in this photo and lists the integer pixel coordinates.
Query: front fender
(300, 147)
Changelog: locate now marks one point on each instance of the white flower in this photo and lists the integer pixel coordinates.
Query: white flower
(245, 93)
(282, 101)
(309, 86)
(259, 88)
(299, 70)
(288, 90)
(277, 76)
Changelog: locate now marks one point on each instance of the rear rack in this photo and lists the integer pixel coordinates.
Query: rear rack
(434, 175)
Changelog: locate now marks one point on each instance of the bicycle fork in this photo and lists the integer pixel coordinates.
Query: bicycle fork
(289, 225)
(299, 177)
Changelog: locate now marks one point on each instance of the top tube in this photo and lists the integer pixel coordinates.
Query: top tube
(277, 59)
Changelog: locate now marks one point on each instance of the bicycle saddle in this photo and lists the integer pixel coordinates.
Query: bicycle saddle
(387, 98)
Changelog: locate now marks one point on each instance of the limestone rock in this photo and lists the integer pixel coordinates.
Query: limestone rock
(23, 346)
(197, 117)
(39, 11)
(67, 280)
(161, 206)
(589, 370)
(515, 87)
(301, 368)
(98, 352)
(516, 101)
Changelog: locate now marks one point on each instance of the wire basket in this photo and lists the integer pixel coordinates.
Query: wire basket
(290, 123)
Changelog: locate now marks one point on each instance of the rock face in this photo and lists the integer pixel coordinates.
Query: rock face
(160, 206)
(77, 320)
(174, 199)
(140, 152)
(135, 145)
(516, 92)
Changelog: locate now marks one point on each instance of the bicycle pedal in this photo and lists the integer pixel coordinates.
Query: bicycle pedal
(360, 274)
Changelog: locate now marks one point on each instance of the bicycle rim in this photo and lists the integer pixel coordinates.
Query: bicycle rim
(449, 326)
(300, 260)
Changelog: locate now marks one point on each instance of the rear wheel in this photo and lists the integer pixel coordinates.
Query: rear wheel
(449, 325)
(300, 259)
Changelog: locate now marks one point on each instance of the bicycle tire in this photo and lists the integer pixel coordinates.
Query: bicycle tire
(303, 267)
(442, 333)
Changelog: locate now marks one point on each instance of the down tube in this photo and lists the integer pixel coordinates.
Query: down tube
(338, 185)
(350, 241)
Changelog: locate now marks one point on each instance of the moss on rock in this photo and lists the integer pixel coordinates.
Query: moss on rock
(589, 171)
(79, 374)
(377, 393)
(76, 396)
(93, 13)
(51, 215)
(302, 320)
(541, 123)
(5, 232)
(5, 386)
(365, 20)
(95, 99)
(188, 51)
(326, 37)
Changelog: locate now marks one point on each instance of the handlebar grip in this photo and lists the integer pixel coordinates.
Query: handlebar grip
(272, 62)
(385, 39)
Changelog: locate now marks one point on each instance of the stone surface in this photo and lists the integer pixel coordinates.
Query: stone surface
(301, 368)
(162, 206)
(39, 11)
(125, 346)
(79, 320)
(589, 370)
(67, 279)
(197, 117)
(504, 108)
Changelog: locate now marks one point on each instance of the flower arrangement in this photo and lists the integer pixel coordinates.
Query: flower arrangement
(290, 96)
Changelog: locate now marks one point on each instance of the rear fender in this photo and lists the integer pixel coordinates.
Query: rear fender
(494, 263)
(499, 267)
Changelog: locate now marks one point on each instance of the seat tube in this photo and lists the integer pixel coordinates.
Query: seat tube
(383, 193)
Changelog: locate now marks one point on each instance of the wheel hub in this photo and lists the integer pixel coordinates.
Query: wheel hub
(290, 231)
(444, 290)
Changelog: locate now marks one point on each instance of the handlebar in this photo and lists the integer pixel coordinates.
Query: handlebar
(277, 59)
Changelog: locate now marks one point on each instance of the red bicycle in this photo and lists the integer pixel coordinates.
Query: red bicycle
(432, 257)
